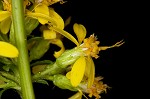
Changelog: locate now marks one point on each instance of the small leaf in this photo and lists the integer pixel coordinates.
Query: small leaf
(5, 60)
(38, 68)
(39, 49)
(42, 82)
(30, 24)
(6, 67)
(33, 41)
(12, 68)
(43, 62)
(77, 71)
(1, 82)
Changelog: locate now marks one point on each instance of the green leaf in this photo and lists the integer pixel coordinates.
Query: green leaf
(42, 82)
(6, 67)
(32, 42)
(39, 49)
(43, 62)
(38, 68)
(11, 68)
(5, 60)
(30, 24)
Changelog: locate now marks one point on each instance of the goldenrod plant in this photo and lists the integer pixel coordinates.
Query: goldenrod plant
(21, 51)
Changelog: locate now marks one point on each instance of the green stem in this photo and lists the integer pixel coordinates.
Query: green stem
(51, 70)
(21, 42)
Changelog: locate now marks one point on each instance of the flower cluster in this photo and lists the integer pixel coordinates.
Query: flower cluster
(73, 69)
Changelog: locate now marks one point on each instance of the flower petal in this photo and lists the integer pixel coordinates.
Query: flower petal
(66, 34)
(57, 18)
(59, 43)
(68, 75)
(90, 71)
(49, 34)
(80, 31)
(44, 10)
(77, 71)
(5, 25)
(4, 15)
(41, 16)
(8, 50)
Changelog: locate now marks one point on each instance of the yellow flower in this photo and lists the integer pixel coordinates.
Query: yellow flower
(52, 35)
(84, 67)
(42, 7)
(83, 63)
(5, 15)
(47, 16)
(97, 88)
(53, 25)
(8, 50)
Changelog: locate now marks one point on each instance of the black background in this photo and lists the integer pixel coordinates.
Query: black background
(111, 22)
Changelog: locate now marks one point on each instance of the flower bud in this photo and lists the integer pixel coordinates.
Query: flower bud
(63, 82)
(69, 57)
